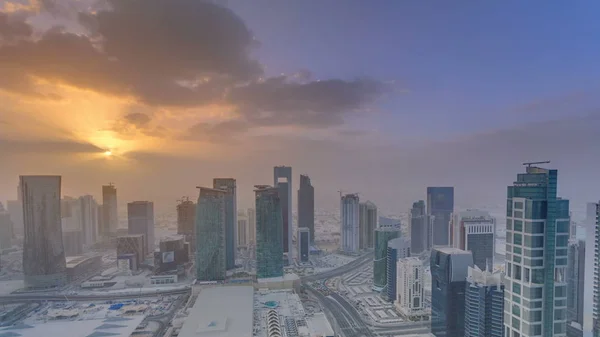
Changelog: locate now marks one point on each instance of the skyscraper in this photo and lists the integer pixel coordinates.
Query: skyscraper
(383, 235)
(398, 248)
(211, 260)
(44, 263)
(349, 209)
(269, 232)
(596, 309)
(251, 226)
(306, 205)
(410, 285)
(15, 210)
(484, 304)
(449, 270)
(303, 244)
(282, 178)
(242, 232)
(89, 219)
(419, 228)
(229, 185)
(110, 214)
(186, 221)
(140, 220)
(440, 205)
(575, 286)
(367, 222)
(475, 230)
(6, 229)
(537, 235)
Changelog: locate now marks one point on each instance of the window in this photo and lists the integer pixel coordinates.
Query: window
(537, 276)
(518, 225)
(509, 269)
(562, 241)
(509, 224)
(518, 239)
(518, 205)
(518, 214)
(562, 227)
(516, 288)
(517, 272)
(526, 274)
(534, 227)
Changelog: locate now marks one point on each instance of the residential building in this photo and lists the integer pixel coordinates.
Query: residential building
(419, 228)
(537, 235)
(282, 178)
(449, 271)
(484, 304)
(303, 244)
(306, 205)
(44, 263)
(269, 232)
(211, 224)
(410, 284)
(186, 221)
(398, 248)
(575, 281)
(229, 185)
(383, 235)
(475, 230)
(349, 209)
(440, 206)
(367, 223)
(140, 220)
(110, 214)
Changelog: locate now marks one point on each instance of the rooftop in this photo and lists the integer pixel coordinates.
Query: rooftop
(112, 326)
(451, 250)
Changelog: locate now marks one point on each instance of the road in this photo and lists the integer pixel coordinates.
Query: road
(36, 297)
(340, 270)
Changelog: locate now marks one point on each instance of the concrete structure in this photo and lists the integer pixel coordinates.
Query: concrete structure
(269, 232)
(80, 266)
(383, 235)
(211, 229)
(475, 231)
(282, 179)
(449, 271)
(251, 226)
(221, 312)
(242, 232)
(306, 206)
(303, 244)
(186, 221)
(410, 295)
(575, 281)
(440, 206)
(420, 231)
(367, 222)
(537, 236)
(172, 256)
(140, 220)
(109, 326)
(43, 252)
(229, 186)
(15, 209)
(73, 242)
(6, 228)
(398, 248)
(484, 304)
(88, 208)
(349, 209)
(131, 249)
(110, 214)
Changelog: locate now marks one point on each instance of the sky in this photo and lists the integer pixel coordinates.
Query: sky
(378, 97)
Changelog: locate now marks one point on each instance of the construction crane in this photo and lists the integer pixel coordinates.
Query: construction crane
(536, 163)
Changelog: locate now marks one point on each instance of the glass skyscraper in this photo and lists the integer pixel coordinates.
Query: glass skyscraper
(475, 231)
(269, 232)
(383, 235)
(440, 205)
(419, 228)
(397, 249)
(306, 206)
(210, 235)
(367, 223)
(282, 178)
(484, 304)
(596, 309)
(349, 211)
(575, 286)
(537, 236)
(228, 185)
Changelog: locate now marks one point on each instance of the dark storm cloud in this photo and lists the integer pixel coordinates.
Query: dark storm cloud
(181, 53)
(138, 119)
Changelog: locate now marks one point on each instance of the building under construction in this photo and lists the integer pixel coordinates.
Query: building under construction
(186, 221)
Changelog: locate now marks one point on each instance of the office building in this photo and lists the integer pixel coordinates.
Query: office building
(590, 215)
(242, 232)
(575, 285)
(383, 235)
(398, 248)
(440, 206)
(269, 232)
(44, 263)
(88, 208)
(537, 235)
(73, 242)
(6, 228)
(251, 226)
(15, 210)
(349, 209)
(484, 304)
(229, 185)
(172, 256)
(131, 251)
(110, 215)
(140, 220)
(282, 178)
(449, 271)
(186, 221)
(410, 294)
(303, 244)
(211, 230)
(367, 222)
(475, 231)
(419, 228)
(306, 205)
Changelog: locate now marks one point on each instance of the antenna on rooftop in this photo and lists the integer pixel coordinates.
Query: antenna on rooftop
(536, 163)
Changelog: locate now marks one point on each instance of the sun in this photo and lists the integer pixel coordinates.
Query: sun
(107, 153)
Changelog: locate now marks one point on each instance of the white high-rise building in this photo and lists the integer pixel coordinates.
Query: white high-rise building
(349, 208)
(410, 288)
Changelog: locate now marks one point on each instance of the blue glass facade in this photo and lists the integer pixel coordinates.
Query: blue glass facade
(382, 236)
(210, 235)
(228, 184)
(440, 205)
(484, 305)
(269, 233)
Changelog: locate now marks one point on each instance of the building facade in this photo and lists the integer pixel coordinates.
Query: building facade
(73, 242)
(303, 244)
(475, 230)
(419, 228)
(449, 271)
(211, 223)
(242, 232)
(484, 304)
(269, 232)
(282, 178)
(110, 215)
(186, 221)
(383, 235)
(251, 226)
(596, 308)
(6, 228)
(537, 235)
(349, 209)
(440, 206)
(44, 263)
(575, 281)
(131, 251)
(89, 219)
(367, 223)
(398, 248)
(229, 185)
(140, 220)
(410, 285)
(306, 205)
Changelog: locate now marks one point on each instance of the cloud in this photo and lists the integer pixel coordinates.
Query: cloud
(222, 132)
(13, 29)
(46, 147)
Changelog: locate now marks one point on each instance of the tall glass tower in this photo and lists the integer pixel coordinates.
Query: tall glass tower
(228, 185)
(596, 311)
(210, 235)
(383, 235)
(269, 232)
(537, 236)
(349, 215)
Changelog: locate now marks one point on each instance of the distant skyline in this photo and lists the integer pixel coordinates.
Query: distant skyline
(383, 98)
